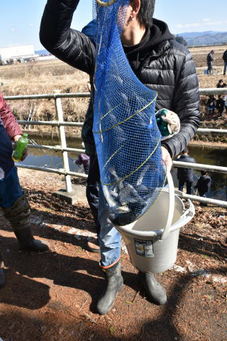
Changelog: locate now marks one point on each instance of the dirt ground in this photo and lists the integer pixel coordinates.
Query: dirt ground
(52, 296)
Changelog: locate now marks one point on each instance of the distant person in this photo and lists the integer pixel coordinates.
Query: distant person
(221, 84)
(220, 104)
(211, 104)
(185, 175)
(203, 184)
(224, 57)
(210, 60)
(83, 160)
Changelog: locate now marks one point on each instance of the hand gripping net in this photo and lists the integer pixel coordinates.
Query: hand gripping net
(126, 134)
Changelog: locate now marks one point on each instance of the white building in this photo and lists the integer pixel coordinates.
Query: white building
(17, 53)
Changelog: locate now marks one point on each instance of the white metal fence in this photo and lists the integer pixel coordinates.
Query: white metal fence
(61, 124)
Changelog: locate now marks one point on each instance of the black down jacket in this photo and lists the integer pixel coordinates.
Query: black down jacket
(166, 66)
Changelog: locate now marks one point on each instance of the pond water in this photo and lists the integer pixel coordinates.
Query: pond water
(205, 155)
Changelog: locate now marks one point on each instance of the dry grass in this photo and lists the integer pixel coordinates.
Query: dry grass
(42, 78)
(48, 76)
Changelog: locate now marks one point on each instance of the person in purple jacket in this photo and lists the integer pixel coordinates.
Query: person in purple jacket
(13, 202)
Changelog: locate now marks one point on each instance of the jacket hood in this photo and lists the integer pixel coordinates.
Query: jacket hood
(153, 38)
(156, 34)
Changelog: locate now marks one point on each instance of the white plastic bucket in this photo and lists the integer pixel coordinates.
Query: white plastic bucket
(152, 240)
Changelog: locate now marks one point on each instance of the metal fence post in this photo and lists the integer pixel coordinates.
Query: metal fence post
(60, 116)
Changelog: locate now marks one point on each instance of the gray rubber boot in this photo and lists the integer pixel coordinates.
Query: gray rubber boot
(154, 291)
(18, 215)
(114, 284)
(2, 275)
(28, 243)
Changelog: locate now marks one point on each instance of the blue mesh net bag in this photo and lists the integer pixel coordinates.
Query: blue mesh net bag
(125, 131)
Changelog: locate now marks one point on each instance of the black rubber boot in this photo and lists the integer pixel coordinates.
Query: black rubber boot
(114, 281)
(154, 291)
(28, 243)
(2, 275)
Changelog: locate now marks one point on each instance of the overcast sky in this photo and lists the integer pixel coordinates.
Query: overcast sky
(20, 19)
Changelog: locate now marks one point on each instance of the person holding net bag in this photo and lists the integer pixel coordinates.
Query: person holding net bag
(136, 68)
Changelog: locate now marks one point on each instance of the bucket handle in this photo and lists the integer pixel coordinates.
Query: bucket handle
(167, 228)
(185, 218)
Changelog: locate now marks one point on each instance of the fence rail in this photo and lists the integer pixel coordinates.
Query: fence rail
(61, 124)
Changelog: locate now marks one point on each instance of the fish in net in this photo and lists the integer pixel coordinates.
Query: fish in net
(127, 138)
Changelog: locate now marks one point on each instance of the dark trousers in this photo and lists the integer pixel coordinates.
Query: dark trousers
(202, 193)
(188, 186)
(209, 68)
(92, 189)
(225, 67)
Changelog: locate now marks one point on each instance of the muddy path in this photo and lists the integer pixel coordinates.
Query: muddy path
(52, 296)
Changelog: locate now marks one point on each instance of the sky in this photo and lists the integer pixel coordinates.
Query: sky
(20, 19)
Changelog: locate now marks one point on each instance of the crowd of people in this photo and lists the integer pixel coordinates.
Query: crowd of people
(217, 104)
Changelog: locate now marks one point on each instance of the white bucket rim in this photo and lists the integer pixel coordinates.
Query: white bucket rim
(183, 220)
